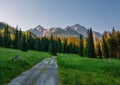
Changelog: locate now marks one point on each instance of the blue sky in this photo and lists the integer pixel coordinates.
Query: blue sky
(101, 15)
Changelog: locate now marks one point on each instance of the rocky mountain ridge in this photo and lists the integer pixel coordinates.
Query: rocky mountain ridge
(68, 31)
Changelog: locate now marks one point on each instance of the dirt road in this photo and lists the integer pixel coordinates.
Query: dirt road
(44, 73)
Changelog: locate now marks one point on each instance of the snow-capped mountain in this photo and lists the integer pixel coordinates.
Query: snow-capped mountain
(74, 30)
(37, 30)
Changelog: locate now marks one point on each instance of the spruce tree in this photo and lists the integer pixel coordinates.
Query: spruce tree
(46, 44)
(1, 40)
(37, 44)
(105, 49)
(30, 41)
(65, 46)
(16, 38)
(90, 45)
(42, 44)
(70, 48)
(59, 45)
(98, 51)
(52, 46)
(6, 37)
(20, 39)
(81, 46)
(112, 45)
(24, 43)
(118, 44)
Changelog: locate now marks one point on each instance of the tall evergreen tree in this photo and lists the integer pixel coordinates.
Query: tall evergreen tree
(24, 43)
(105, 35)
(38, 44)
(70, 48)
(6, 37)
(105, 49)
(44, 44)
(90, 45)
(52, 46)
(118, 43)
(112, 44)
(59, 45)
(31, 41)
(65, 45)
(81, 46)
(1, 40)
(16, 38)
(98, 51)
(20, 39)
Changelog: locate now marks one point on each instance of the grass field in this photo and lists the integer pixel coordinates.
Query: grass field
(10, 69)
(75, 70)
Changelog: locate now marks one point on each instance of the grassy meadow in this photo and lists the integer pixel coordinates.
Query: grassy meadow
(75, 70)
(10, 69)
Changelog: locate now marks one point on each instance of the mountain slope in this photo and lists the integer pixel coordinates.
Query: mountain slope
(2, 25)
(72, 31)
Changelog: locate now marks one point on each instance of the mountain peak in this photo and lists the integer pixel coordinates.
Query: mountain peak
(39, 27)
(77, 24)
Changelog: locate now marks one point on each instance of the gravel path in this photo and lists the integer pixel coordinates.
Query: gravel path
(44, 73)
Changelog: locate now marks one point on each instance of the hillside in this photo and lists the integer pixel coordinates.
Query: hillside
(10, 69)
(2, 25)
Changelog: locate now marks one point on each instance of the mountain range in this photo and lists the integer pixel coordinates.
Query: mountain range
(68, 31)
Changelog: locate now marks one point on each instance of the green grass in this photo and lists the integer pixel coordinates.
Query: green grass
(75, 70)
(10, 69)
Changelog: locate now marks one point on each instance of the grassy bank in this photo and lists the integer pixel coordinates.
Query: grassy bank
(75, 70)
(10, 69)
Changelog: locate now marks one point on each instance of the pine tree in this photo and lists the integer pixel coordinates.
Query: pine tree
(30, 41)
(80, 50)
(65, 46)
(105, 49)
(42, 44)
(98, 51)
(6, 37)
(112, 44)
(105, 35)
(118, 44)
(46, 44)
(1, 40)
(20, 39)
(59, 45)
(24, 43)
(52, 46)
(90, 45)
(37, 44)
(16, 38)
(70, 48)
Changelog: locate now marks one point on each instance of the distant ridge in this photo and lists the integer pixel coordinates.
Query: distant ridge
(68, 31)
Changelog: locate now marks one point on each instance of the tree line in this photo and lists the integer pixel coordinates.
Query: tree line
(106, 47)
